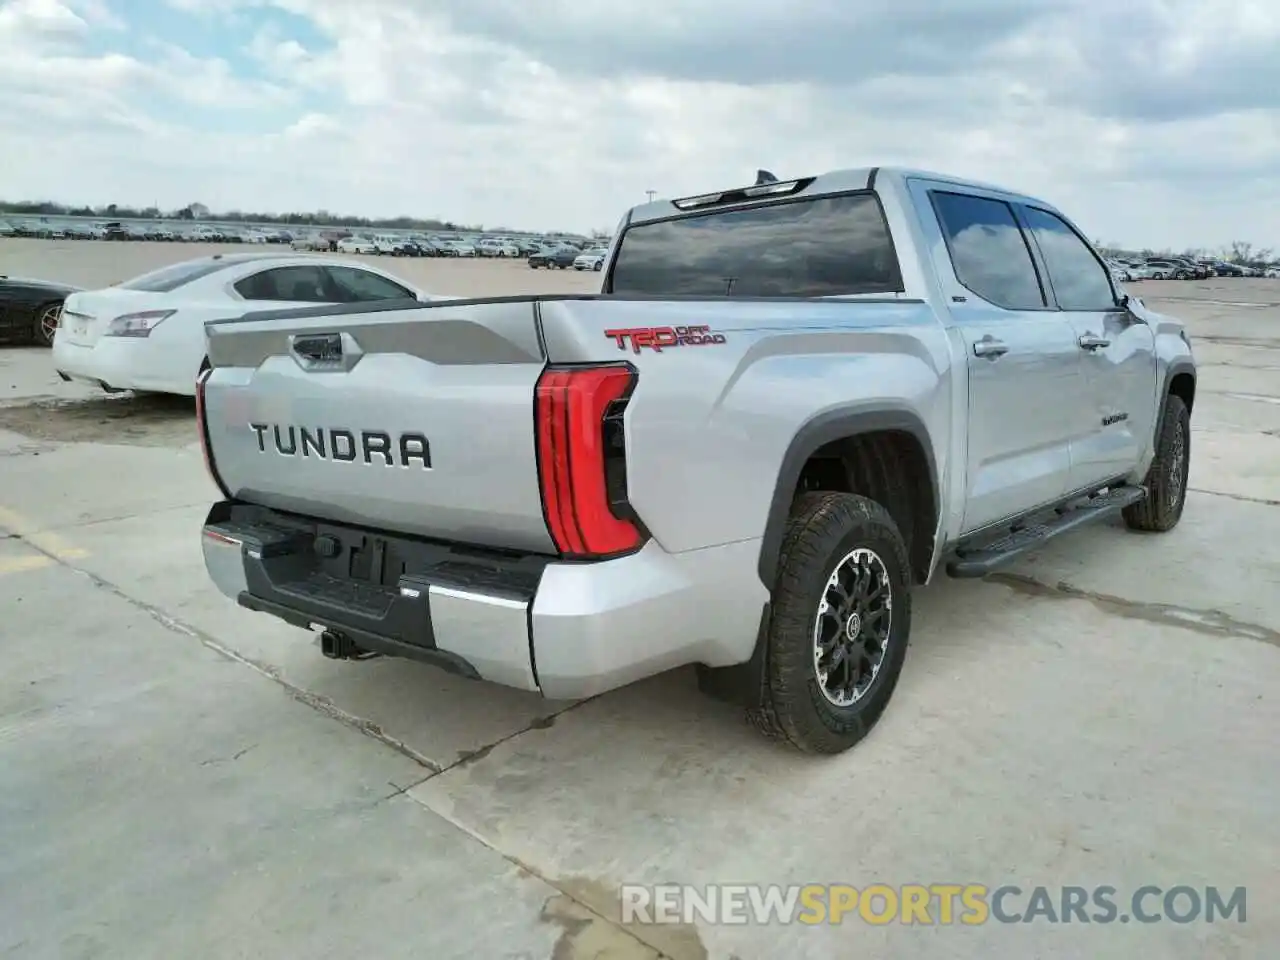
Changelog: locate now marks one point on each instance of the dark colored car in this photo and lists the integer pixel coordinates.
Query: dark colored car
(30, 309)
(549, 257)
(1228, 270)
(416, 247)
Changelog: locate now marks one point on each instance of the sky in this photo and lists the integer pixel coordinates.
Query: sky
(1153, 123)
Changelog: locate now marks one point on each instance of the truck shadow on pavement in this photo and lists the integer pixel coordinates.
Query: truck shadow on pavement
(150, 420)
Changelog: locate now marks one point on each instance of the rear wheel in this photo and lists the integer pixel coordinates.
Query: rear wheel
(839, 624)
(1166, 481)
(46, 324)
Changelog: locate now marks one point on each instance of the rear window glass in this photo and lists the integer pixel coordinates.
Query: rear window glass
(171, 278)
(823, 247)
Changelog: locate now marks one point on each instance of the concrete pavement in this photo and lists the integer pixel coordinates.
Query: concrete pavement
(182, 777)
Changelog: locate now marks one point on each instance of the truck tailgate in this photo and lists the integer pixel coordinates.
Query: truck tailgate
(414, 420)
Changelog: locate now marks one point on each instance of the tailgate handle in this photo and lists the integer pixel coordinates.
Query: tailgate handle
(324, 351)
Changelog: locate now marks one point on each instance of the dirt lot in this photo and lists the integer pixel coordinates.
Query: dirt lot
(184, 778)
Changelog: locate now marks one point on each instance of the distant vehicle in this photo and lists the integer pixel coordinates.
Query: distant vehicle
(312, 241)
(356, 245)
(148, 333)
(385, 244)
(459, 248)
(592, 259)
(548, 257)
(490, 247)
(1224, 269)
(1170, 270)
(7, 230)
(30, 309)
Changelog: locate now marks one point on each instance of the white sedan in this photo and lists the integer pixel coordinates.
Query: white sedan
(592, 259)
(147, 334)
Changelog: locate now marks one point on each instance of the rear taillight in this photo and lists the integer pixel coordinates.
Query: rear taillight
(202, 428)
(582, 463)
(137, 324)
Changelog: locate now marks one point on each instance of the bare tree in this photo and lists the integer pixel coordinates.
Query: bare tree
(1241, 251)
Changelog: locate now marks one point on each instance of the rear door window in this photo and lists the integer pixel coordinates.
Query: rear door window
(988, 250)
(358, 286)
(1080, 281)
(300, 284)
(822, 247)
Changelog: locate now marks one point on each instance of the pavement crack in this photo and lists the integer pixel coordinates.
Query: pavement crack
(542, 722)
(212, 761)
(1243, 498)
(320, 704)
(1212, 622)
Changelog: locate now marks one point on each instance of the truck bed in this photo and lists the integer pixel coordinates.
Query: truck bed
(420, 419)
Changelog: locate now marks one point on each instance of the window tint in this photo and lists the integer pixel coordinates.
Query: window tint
(1079, 281)
(810, 248)
(358, 286)
(988, 250)
(304, 284)
(171, 278)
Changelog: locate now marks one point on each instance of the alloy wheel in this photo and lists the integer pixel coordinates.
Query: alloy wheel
(50, 317)
(851, 630)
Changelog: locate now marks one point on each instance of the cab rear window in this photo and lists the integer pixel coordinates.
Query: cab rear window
(824, 247)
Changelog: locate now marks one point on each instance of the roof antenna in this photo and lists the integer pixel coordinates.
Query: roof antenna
(763, 177)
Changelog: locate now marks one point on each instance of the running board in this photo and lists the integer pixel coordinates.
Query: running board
(983, 559)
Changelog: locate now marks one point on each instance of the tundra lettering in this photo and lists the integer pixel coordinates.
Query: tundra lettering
(914, 375)
(291, 441)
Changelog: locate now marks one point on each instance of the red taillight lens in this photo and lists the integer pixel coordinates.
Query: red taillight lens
(582, 461)
(202, 428)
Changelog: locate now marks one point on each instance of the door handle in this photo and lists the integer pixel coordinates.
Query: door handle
(990, 348)
(1091, 341)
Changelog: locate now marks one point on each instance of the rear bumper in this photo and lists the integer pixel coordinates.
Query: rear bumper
(566, 630)
(115, 363)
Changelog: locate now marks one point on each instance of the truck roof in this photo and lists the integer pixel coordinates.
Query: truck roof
(835, 181)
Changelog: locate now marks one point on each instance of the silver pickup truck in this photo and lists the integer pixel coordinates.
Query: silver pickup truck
(791, 403)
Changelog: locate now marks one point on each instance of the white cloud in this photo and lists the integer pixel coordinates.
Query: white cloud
(1151, 122)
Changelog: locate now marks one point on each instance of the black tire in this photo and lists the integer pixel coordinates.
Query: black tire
(824, 531)
(1166, 480)
(45, 324)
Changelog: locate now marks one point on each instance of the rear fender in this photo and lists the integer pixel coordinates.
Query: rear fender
(843, 423)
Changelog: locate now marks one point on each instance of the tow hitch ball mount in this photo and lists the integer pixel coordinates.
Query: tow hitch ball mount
(338, 646)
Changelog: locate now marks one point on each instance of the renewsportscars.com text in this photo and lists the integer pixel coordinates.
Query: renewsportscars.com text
(942, 904)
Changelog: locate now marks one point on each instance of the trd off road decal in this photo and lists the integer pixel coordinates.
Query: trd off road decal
(660, 338)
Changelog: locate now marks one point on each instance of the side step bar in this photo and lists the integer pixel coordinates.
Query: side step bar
(983, 559)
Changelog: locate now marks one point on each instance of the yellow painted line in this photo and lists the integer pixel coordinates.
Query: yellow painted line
(37, 561)
(49, 543)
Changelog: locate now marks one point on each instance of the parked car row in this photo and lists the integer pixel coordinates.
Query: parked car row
(120, 230)
(563, 256)
(1186, 268)
(335, 240)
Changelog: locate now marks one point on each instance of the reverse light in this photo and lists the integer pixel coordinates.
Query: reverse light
(582, 460)
(137, 324)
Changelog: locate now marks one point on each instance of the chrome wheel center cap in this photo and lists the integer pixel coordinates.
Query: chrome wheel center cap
(853, 626)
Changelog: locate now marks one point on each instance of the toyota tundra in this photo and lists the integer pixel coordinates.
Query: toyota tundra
(791, 404)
